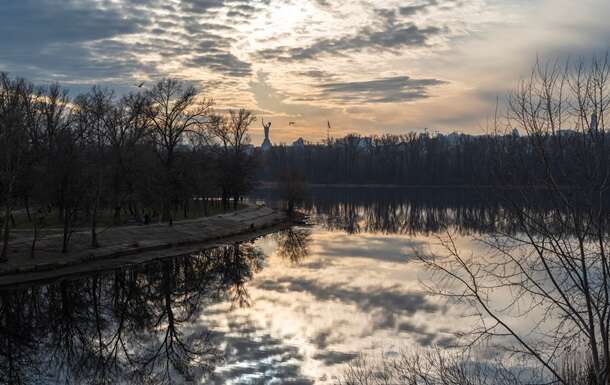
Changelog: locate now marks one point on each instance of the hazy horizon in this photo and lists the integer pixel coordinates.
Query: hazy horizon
(368, 67)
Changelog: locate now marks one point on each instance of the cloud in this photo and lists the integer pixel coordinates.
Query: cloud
(65, 39)
(316, 74)
(391, 299)
(387, 90)
(410, 10)
(99, 41)
(350, 52)
(329, 335)
(31, 23)
(334, 358)
(258, 355)
(223, 62)
(201, 6)
(392, 37)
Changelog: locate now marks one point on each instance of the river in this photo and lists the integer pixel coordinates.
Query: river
(288, 308)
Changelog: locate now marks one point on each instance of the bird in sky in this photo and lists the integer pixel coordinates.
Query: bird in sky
(140, 85)
(291, 123)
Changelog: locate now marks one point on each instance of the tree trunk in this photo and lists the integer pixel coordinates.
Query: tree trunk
(66, 239)
(34, 239)
(26, 203)
(96, 203)
(137, 211)
(166, 212)
(60, 213)
(94, 242)
(225, 200)
(5, 233)
(116, 218)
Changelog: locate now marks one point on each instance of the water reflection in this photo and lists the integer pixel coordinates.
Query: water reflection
(133, 325)
(293, 244)
(425, 211)
(291, 307)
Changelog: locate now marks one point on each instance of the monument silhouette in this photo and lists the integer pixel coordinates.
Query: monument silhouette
(266, 143)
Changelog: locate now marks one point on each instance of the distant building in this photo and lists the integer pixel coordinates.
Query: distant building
(183, 148)
(594, 123)
(453, 138)
(248, 149)
(299, 143)
(365, 143)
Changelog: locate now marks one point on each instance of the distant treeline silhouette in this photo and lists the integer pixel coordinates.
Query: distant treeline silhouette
(438, 160)
(97, 157)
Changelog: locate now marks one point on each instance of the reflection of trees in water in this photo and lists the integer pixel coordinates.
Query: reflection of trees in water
(408, 217)
(132, 325)
(293, 244)
(420, 210)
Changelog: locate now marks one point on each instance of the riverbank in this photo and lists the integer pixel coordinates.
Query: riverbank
(134, 244)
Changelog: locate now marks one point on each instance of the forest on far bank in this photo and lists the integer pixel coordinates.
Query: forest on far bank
(499, 159)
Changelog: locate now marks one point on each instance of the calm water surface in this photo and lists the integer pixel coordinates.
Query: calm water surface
(292, 307)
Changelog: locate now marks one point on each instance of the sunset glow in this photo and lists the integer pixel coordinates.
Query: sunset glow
(369, 67)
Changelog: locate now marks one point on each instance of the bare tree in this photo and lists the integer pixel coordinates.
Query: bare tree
(236, 162)
(435, 366)
(128, 125)
(92, 114)
(293, 189)
(13, 142)
(554, 270)
(63, 151)
(175, 109)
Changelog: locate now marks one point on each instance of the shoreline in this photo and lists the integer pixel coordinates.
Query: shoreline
(139, 244)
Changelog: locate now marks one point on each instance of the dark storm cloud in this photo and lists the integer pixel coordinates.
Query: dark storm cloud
(388, 90)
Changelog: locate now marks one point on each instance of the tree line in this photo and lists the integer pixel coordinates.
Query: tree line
(429, 160)
(139, 157)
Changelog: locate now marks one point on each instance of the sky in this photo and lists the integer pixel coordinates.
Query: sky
(367, 66)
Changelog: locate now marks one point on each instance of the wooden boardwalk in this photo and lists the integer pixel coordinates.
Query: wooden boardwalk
(133, 244)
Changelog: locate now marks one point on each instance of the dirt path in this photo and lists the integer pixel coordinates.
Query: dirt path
(133, 244)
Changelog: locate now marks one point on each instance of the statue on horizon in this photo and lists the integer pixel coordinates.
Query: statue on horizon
(267, 142)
